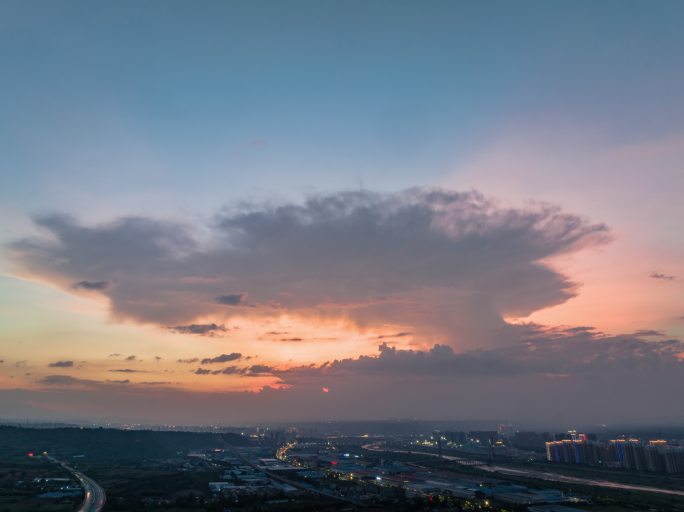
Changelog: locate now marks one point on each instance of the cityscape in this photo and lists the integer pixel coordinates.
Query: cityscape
(333, 466)
(341, 255)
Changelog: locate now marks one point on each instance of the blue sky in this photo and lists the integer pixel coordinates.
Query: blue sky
(141, 104)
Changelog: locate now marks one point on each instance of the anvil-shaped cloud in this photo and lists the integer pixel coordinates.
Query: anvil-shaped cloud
(445, 265)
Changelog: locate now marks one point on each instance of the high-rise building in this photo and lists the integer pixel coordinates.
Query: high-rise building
(573, 452)
(632, 454)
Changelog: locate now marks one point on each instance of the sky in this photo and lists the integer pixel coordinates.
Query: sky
(234, 212)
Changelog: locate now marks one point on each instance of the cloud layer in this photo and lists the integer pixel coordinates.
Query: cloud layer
(551, 352)
(554, 376)
(443, 264)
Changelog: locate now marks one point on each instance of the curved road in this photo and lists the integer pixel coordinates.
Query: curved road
(94, 497)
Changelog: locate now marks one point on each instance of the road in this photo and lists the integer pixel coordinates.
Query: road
(94, 497)
(541, 475)
(556, 477)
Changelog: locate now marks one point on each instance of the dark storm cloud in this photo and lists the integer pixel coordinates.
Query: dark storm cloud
(223, 358)
(232, 299)
(91, 285)
(201, 329)
(665, 277)
(445, 265)
(61, 364)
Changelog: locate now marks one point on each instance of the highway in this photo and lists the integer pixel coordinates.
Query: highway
(94, 497)
(542, 475)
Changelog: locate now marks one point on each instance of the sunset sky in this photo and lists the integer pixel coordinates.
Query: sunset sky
(210, 212)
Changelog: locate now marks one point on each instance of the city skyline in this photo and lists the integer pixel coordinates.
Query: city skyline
(241, 212)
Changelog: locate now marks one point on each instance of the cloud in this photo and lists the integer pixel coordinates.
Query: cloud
(260, 369)
(61, 364)
(291, 339)
(91, 285)
(539, 351)
(131, 358)
(547, 376)
(231, 370)
(658, 275)
(65, 380)
(579, 329)
(444, 265)
(395, 335)
(256, 370)
(126, 370)
(223, 358)
(188, 360)
(201, 329)
(232, 299)
(68, 380)
(644, 333)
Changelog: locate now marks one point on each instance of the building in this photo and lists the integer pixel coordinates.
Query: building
(571, 451)
(531, 440)
(656, 456)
